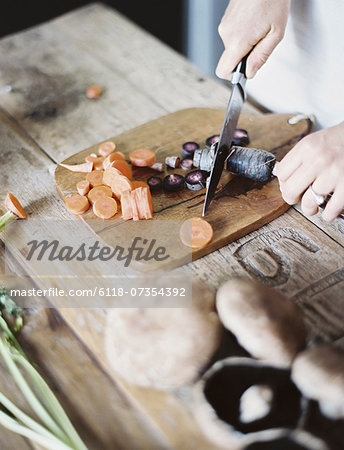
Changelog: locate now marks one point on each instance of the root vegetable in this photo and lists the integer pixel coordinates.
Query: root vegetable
(160, 347)
(13, 205)
(99, 192)
(95, 178)
(196, 232)
(123, 167)
(105, 207)
(84, 167)
(159, 167)
(137, 184)
(120, 184)
(267, 324)
(173, 182)
(106, 148)
(240, 137)
(189, 148)
(172, 161)
(142, 157)
(109, 175)
(91, 157)
(196, 180)
(77, 204)
(98, 163)
(155, 183)
(137, 204)
(93, 91)
(83, 187)
(115, 156)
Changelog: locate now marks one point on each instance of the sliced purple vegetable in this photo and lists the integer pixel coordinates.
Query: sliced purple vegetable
(173, 182)
(186, 164)
(189, 148)
(154, 183)
(240, 137)
(212, 140)
(159, 167)
(196, 180)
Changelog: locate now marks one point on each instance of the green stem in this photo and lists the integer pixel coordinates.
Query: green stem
(25, 419)
(28, 394)
(10, 336)
(45, 442)
(8, 216)
(51, 403)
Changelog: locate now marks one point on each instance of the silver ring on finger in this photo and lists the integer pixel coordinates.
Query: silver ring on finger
(318, 198)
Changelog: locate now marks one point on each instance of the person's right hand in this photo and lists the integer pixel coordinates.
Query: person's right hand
(247, 24)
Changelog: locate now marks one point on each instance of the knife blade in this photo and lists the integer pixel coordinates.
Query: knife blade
(230, 122)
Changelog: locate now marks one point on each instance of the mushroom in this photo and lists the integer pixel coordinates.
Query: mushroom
(163, 348)
(319, 374)
(266, 323)
(296, 440)
(218, 399)
(255, 403)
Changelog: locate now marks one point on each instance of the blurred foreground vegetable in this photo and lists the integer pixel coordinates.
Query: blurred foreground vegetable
(51, 428)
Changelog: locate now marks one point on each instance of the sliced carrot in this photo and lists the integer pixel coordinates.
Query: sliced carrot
(136, 184)
(105, 207)
(143, 202)
(98, 192)
(134, 209)
(123, 167)
(77, 204)
(109, 174)
(98, 163)
(93, 91)
(13, 205)
(83, 187)
(196, 232)
(120, 184)
(84, 167)
(127, 211)
(95, 178)
(106, 148)
(142, 157)
(91, 158)
(115, 156)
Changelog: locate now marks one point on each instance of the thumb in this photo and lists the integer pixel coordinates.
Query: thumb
(261, 52)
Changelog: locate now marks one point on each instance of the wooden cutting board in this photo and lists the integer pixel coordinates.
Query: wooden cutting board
(242, 207)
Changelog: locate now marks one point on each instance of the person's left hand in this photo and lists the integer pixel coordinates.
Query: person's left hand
(317, 161)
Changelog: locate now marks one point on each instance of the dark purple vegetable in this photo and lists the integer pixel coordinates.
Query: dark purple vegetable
(154, 183)
(251, 163)
(212, 140)
(172, 161)
(240, 137)
(186, 164)
(189, 148)
(196, 180)
(173, 182)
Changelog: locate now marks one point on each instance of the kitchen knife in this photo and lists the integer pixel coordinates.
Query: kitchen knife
(233, 111)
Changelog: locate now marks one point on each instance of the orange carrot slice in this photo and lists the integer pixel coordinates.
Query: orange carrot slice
(99, 192)
(127, 211)
(95, 178)
(106, 148)
(143, 202)
(196, 232)
(83, 187)
(84, 167)
(98, 163)
(113, 157)
(120, 184)
(142, 157)
(93, 91)
(133, 205)
(137, 184)
(109, 174)
(123, 167)
(105, 207)
(77, 204)
(13, 205)
(91, 158)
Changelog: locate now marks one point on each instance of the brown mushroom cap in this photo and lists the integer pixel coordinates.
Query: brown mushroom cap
(319, 374)
(267, 324)
(163, 348)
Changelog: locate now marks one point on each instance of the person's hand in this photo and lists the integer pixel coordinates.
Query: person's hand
(317, 161)
(247, 24)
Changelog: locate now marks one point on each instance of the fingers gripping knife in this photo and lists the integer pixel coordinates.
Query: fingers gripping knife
(248, 162)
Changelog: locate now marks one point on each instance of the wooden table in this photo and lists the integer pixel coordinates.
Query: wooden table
(45, 118)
